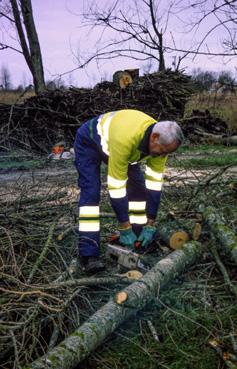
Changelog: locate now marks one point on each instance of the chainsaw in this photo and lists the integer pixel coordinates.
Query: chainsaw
(127, 258)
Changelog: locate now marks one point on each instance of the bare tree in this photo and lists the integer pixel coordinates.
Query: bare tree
(137, 30)
(20, 14)
(5, 78)
(208, 20)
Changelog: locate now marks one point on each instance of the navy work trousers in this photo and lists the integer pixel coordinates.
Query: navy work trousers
(88, 159)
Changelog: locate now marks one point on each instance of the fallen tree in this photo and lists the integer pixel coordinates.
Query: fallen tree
(92, 333)
(216, 139)
(222, 233)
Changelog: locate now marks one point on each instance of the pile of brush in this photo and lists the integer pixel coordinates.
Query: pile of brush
(55, 115)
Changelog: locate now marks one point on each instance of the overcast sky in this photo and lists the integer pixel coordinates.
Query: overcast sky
(59, 29)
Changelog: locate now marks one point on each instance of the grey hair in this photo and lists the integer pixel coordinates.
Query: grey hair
(169, 131)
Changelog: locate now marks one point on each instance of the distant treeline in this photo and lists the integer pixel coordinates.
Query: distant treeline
(207, 80)
(203, 81)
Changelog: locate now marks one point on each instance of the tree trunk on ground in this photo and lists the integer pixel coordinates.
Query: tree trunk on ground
(92, 333)
(223, 234)
(217, 139)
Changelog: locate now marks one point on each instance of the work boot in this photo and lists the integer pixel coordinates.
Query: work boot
(91, 264)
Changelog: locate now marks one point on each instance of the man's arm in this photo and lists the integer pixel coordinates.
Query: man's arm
(154, 179)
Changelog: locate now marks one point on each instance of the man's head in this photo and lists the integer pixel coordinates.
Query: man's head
(166, 137)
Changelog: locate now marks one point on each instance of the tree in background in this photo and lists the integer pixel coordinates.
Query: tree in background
(226, 78)
(203, 80)
(206, 80)
(136, 29)
(208, 20)
(20, 14)
(5, 78)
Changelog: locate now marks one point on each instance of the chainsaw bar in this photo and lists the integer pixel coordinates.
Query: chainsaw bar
(125, 257)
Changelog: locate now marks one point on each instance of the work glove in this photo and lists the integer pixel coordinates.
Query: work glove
(146, 235)
(127, 237)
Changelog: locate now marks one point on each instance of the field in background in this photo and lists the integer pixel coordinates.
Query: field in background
(223, 106)
(12, 97)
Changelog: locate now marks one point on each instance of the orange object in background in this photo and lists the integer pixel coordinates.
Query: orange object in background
(57, 149)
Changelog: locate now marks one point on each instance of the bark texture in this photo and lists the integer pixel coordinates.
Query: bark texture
(30, 44)
(34, 45)
(93, 332)
(222, 233)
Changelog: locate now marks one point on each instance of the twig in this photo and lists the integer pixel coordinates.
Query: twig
(224, 272)
(42, 254)
(153, 331)
(17, 362)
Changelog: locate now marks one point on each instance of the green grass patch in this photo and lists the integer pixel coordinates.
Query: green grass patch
(15, 164)
(204, 161)
(186, 316)
(205, 148)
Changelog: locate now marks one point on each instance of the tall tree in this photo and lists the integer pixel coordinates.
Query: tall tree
(23, 20)
(5, 78)
(137, 29)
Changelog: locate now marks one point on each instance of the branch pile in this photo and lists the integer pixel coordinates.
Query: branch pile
(55, 115)
(34, 316)
(207, 127)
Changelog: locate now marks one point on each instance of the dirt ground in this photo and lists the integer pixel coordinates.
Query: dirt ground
(65, 177)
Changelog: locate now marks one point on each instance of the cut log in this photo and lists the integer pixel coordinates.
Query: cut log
(92, 333)
(222, 233)
(121, 297)
(122, 79)
(175, 231)
(173, 234)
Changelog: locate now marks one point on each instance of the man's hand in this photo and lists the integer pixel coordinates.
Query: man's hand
(146, 234)
(127, 237)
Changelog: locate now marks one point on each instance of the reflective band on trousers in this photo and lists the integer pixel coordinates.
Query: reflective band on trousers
(103, 131)
(153, 185)
(89, 210)
(117, 194)
(151, 173)
(116, 183)
(137, 205)
(138, 219)
(86, 226)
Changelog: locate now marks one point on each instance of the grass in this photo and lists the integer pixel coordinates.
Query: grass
(204, 148)
(224, 107)
(204, 161)
(185, 317)
(203, 156)
(21, 165)
(12, 97)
